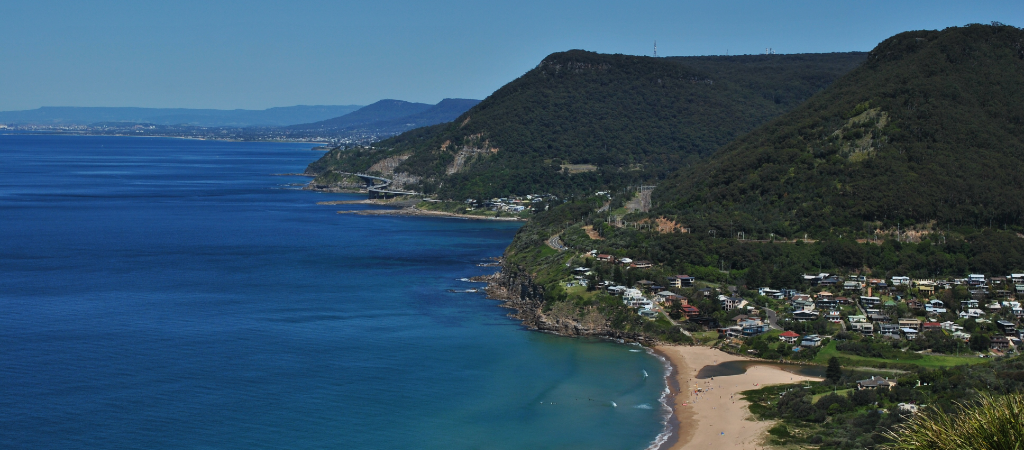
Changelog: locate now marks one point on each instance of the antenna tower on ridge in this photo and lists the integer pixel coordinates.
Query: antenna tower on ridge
(655, 48)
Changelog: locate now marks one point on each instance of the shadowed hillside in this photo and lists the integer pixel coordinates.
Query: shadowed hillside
(930, 128)
(583, 121)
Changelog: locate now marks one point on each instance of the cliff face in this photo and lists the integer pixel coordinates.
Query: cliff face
(517, 290)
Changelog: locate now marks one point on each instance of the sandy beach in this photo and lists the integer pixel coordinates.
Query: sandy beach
(716, 418)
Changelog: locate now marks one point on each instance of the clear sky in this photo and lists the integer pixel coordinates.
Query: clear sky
(258, 54)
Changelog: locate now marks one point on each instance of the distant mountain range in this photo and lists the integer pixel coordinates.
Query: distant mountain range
(281, 116)
(392, 116)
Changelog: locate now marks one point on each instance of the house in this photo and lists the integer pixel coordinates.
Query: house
(789, 337)
(966, 337)
(731, 302)
(824, 302)
(970, 304)
(914, 303)
(935, 306)
(851, 286)
(804, 316)
(803, 305)
(975, 279)
(649, 313)
(625, 261)
(1017, 278)
(971, 313)
(909, 333)
(870, 302)
(768, 292)
(844, 301)
(829, 281)
(811, 340)
(931, 326)
(605, 258)
(670, 297)
(1006, 327)
(1000, 342)
(926, 289)
(690, 311)
(641, 265)
(862, 327)
(878, 317)
(753, 328)
(909, 323)
(681, 281)
(889, 330)
(856, 319)
(901, 281)
(876, 383)
(952, 327)
(834, 317)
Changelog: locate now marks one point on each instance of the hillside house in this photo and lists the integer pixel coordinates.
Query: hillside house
(951, 327)
(876, 383)
(852, 286)
(909, 333)
(805, 316)
(889, 330)
(834, 317)
(963, 336)
(931, 326)
(975, 279)
(731, 302)
(641, 265)
(862, 327)
(878, 318)
(935, 306)
(972, 303)
(681, 281)
(870, 302)
(789, 337)
(690, 311)
(901, 281)
(605, 258)
(811, 340)
(909, 323)
(1007, 327)
(1000, 342)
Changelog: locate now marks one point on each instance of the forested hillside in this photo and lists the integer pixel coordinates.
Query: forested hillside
(930, 128)
(582, 121)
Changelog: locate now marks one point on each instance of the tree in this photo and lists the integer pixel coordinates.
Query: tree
(834, 372)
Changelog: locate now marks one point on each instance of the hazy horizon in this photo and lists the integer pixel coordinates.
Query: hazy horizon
(259, 55)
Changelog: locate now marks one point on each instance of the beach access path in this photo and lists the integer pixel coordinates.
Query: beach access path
(717, 418)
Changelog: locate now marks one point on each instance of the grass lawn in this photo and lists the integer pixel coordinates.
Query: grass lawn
(816, 397)
(928, 361)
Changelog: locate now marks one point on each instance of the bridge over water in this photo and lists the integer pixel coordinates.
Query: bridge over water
(381, 190)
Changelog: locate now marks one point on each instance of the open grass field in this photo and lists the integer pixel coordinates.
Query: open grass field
(928, 361)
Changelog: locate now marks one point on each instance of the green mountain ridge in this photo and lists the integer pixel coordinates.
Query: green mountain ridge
(617, 119)
(930, 128)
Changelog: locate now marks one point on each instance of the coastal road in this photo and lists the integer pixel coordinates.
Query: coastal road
(773, 319)
(556, 243)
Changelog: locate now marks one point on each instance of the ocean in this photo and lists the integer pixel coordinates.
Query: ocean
(167, 294)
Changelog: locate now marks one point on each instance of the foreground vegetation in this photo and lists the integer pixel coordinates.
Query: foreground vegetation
(836, 415)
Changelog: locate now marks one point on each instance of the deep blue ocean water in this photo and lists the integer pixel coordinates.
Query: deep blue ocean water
(167, 294)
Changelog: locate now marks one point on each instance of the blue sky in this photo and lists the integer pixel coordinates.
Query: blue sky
(259, 54)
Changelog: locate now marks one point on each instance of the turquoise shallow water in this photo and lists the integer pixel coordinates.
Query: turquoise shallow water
(165, 293)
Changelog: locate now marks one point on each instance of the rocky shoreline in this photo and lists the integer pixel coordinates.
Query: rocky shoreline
(515, 288)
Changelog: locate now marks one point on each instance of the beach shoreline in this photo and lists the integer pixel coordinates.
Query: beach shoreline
(710, 412)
